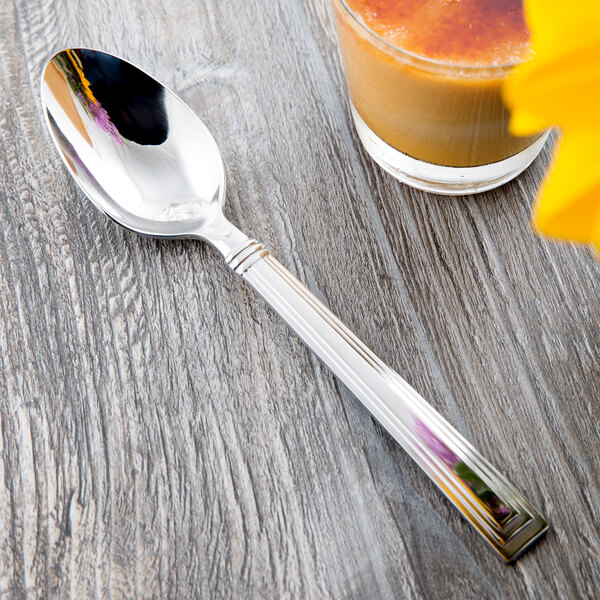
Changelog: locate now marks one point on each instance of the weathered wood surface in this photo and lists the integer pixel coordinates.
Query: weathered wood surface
(164, 435)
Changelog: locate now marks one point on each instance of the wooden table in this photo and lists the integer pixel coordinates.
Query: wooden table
(163, 434)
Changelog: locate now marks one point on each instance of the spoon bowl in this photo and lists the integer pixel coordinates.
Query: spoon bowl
(137, 151)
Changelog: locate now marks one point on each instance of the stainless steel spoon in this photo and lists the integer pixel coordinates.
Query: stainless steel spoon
(148, 162)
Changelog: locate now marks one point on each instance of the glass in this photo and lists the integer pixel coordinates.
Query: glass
(436, 126)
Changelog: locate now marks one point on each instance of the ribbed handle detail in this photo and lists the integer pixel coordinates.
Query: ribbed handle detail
(245, 255)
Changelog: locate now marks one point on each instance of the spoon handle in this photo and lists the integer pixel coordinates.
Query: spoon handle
(486, 499)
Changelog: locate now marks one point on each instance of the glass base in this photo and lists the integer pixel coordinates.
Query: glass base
(437, 178)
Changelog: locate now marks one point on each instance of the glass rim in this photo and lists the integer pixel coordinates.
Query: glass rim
(431, 62)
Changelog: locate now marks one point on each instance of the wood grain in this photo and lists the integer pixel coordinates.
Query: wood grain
(163, 435)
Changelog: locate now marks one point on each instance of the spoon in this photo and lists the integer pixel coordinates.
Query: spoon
(148, 162)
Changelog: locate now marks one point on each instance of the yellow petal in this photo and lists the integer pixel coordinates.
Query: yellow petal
(523, 122)
(550, 20)
(560, 86)
(569, 199)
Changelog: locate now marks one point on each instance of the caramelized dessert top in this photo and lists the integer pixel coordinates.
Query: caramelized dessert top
(465, 32)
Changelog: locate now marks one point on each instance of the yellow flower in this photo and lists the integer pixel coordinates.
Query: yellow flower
(560, 86)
